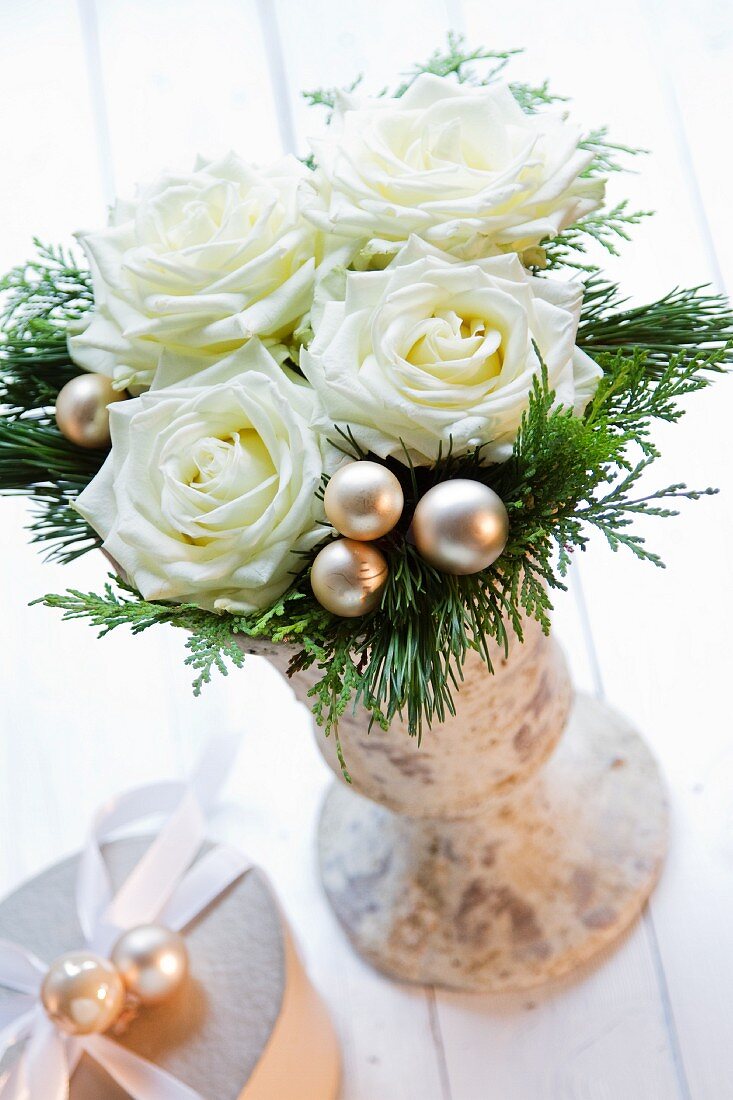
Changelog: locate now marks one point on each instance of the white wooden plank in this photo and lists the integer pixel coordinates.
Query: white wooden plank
(50, 181)
(331, 43)
(588, 1053)
(72, 729)
(80, 719)
(588, 1039)
(98, 98)
(678, 686)
(183, 78)
(694, 46)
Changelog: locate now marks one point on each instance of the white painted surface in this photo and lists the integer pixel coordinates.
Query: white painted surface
(97, 95)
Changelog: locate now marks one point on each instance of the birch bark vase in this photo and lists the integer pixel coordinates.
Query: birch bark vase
(520, 838)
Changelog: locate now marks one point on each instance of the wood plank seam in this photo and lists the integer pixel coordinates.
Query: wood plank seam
(438, 1043)
(650, 931)
(270, 28)
(455, 16)
(683, 146)
(98, 99)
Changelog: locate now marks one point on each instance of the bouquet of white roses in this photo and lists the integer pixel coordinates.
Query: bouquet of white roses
(402, 341)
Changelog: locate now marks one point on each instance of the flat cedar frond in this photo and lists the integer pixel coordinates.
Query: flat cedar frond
(607, 228)
(212, 638)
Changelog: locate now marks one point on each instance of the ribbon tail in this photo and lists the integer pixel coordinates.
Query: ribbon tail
(206, 880)
(20, 969)
(94, 888)
(13, 1085)
(140, 1078)
(16, 1017)
(74, 1051)
(46, 1067)
(150, 885)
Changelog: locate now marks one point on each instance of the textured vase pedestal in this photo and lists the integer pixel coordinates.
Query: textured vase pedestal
(521, 837)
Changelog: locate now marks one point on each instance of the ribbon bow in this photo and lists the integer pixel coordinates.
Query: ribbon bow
(165, 886)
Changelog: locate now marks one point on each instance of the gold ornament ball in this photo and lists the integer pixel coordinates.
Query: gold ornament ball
(460, 526)
(152, 961)
(81, 410)
(82, 993)
(348, 577)
(363, 500)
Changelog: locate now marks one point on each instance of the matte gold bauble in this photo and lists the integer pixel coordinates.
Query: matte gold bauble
(81, 410)
(347, 577)
(82, 993)
(152, 962)
(363, 500)
(460, 526)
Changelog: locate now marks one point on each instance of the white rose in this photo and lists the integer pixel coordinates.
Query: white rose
(197, 264)
(462, 167)
(436, 352)
(209, 493)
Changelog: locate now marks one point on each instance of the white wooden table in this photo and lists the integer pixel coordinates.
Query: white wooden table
(97, 95)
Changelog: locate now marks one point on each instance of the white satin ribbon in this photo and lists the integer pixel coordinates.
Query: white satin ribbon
(165, 886)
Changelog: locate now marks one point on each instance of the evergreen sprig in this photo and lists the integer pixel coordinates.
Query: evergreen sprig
(42, 298)
(37, 461)
(212, 638)
(682, 322)
(566, 476)
(607, 228)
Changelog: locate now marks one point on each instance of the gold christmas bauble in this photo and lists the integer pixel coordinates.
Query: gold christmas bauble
(348, 577)
(152, 962)
(81, 410)
(460, 526)
(82, 993)
(363, 500)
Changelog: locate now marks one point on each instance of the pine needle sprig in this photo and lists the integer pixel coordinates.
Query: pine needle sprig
(38, 462)
(43, 297)
(683, 322)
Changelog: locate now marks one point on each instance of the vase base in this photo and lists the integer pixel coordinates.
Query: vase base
(519, 893)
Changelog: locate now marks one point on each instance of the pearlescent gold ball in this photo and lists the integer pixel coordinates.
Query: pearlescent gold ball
(460, 526)
(81, 410)
(363, 500)
(82, 993)
(152, 961)
(348, 577)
